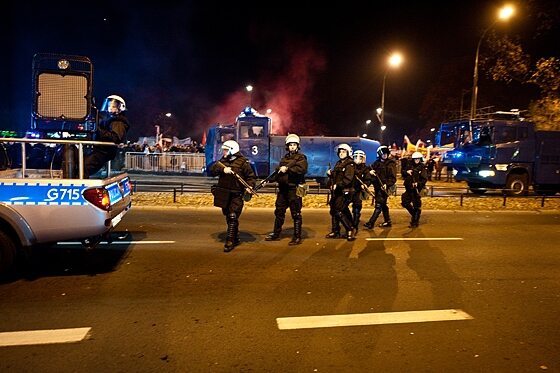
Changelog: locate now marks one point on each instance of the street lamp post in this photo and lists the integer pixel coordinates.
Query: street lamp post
(504, 14)
(394, 61)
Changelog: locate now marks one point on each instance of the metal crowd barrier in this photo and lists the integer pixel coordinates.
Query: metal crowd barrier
(192, 163)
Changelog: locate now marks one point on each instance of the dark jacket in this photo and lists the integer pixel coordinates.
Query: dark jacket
(419, 176)
(240, 165)
(343, 175)
(297, 168)
(386, 173)
(112, 129)
(362, 171)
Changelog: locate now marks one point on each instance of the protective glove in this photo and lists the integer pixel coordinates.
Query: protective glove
(228, 170)
(283, 169)
(372, 172)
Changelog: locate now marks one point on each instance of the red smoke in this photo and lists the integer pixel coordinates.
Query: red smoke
(288, 94)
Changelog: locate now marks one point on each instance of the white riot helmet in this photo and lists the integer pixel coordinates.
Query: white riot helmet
(231, 146)
(417, 155)
(118, 101)
(345, 147)
(359, 157)
(292, 138)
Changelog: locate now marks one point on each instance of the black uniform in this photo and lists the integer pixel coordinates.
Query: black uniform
(361, 171)
(112, 129)
(385, 177)
(411, 199)
(233, 190)
(287, 197)
(342, 181)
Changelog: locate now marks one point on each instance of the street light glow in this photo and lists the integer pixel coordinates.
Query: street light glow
(168, 115)
(506, 12)
(368, 121)
(249, 88)
(395, 59)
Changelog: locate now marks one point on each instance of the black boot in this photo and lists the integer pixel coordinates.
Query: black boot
(371, 222)
(232, 239)
(335, 228)
(296, 239)
(275, 234)
(415, 218)
(356, 214)
(386, 218)
(347, 223)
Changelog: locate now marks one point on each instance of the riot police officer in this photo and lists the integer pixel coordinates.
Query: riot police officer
(384, 177)
(230, 190)
(415, 177)
(362, 179)
(290, 174)
(112, 128)
(342, 181)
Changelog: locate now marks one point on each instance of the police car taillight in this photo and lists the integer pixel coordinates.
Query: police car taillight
(98, 197)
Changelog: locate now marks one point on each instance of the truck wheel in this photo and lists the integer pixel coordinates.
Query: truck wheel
(7, 252)
(517, 185)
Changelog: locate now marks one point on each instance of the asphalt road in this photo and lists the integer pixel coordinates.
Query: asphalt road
(165, 297)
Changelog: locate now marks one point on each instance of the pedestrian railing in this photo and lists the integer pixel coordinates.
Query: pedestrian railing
(192, 163)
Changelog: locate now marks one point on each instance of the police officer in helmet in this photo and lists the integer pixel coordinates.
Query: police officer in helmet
(415, 178)
(384, 176)
(289, 174)
(362, 173)
(342, 190)
(112, 128)
(231, 189)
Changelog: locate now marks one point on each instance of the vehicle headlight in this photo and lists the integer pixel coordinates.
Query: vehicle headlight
(486, 173)
(501, 167)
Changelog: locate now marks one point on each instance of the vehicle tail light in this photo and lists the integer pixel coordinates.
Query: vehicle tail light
(98, 197)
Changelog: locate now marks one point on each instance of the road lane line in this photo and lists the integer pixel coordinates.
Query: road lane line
(329, 321)
(37, 337)
(118, 242)
(414, 239)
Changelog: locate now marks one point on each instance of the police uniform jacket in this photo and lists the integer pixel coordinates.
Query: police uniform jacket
(419, 175)
(112, 129)
(297, 168)
(240, 165)
(386, 172)
(343, 175)
(361, 171)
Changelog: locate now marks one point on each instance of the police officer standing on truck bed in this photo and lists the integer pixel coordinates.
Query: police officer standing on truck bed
(360, 186)
(415, 177)
(112, 128)
(341, 184)
(384, 176)
(289, 174)
(230, 190)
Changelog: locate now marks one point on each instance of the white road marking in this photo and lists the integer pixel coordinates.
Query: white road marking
(118, 242)
(329, 321)
(37, 337)
(414, 239)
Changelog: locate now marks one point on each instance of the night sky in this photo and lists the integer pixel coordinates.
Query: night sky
(319, 68)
